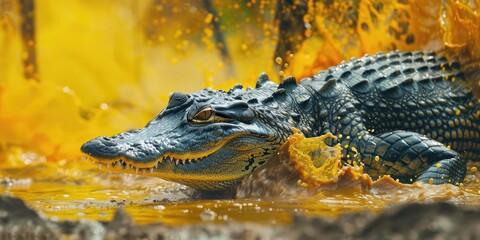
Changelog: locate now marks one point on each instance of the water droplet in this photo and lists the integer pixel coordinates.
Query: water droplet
(208, 18)
(159, 207)
(104, 106)
(208, 215)
(244, 47)
(66, 89)
(278, 60)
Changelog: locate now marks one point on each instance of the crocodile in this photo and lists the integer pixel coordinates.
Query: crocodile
(403, 114)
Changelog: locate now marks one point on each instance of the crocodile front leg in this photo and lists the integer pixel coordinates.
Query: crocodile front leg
(409, 156)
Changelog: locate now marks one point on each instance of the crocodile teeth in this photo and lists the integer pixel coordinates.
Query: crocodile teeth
(143, 170)
(99, 166)
(151, 170)
(156, 165)
(177, 161)
(136, 170)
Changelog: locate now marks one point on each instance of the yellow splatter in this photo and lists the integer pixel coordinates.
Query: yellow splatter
(208, 19)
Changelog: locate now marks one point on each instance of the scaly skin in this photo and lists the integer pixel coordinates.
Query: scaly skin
(405, 114)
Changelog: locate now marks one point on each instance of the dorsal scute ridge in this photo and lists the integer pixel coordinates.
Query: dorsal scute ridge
(288, 83)
(262, 80)
(236, 88)
(330, 83)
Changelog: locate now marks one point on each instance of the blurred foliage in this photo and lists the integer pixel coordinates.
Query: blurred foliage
(107, 66)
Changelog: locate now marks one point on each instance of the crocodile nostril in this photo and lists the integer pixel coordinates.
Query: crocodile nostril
(107, 142)
(91, 147)
(101, 148)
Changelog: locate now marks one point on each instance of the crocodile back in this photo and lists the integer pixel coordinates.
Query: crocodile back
(413, 91)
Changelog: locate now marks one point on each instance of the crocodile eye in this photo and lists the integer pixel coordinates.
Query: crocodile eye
(204, 115)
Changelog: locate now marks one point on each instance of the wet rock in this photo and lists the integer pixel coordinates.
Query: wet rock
(123, 227)
(412, 221)
(17, 221)
(85, 229)
(426, 221)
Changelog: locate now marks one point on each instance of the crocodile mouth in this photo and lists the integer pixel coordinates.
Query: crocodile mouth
(128, 165)
(167, 163)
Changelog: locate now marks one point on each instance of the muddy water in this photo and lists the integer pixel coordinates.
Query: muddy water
(290, 183)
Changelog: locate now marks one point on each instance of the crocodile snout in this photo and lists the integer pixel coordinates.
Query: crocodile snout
(126, 146)
(102, 147)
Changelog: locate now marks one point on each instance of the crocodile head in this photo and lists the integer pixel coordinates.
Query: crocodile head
(207, 140)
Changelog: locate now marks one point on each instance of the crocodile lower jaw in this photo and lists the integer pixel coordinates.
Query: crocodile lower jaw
(146, 167)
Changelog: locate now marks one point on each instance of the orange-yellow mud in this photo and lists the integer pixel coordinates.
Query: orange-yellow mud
(108, 66)
(325, 182)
